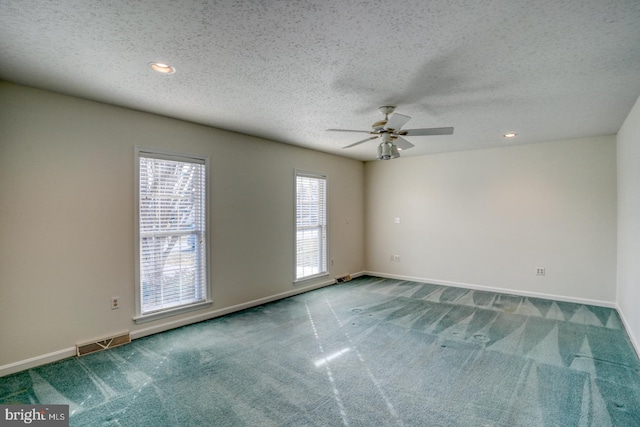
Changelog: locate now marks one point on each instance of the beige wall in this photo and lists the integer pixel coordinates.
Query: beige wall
(629, 223)
(483, 218)
(489, 218)
(66, 218)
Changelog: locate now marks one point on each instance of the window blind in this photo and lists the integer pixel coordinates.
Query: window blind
(172, 229)
(311, 225)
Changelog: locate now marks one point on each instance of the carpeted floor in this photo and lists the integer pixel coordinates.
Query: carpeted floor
(370, 352)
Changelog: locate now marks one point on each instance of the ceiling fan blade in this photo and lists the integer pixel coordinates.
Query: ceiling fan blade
(360, 142)
(426, 132)
(347, 130)
(402, 143)
(396, 121)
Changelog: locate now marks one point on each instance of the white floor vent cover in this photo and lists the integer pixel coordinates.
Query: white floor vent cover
(92, 347)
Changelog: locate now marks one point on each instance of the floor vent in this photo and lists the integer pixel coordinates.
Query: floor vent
(92, 347)
(343, 279)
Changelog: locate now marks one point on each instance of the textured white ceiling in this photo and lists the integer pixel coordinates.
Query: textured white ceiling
(288, 70)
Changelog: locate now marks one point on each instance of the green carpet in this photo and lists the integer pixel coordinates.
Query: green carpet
(370, 352)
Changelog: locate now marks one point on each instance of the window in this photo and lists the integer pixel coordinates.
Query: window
(311, 225)
(172, 274)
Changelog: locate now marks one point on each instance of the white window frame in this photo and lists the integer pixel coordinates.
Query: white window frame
(323, 266)
(206, 301)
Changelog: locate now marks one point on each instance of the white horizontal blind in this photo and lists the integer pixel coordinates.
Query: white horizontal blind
(172, 227)
(311, 225)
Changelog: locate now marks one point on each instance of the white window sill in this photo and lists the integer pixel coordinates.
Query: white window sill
(310, 279)
(144, 318)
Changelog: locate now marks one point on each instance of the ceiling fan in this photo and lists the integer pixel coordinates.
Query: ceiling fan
(389, 129)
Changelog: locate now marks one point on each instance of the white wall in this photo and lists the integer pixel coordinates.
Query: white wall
(489, 218)
(66, 219)
(629, 223)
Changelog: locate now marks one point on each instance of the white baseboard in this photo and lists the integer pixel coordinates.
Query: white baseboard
(627, 326)
(33, 362)
(55, 356)
(599, 303)
(139, 333)
(630, 332)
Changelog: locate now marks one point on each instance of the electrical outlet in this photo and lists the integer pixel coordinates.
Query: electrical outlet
(540, 271)
(396, 258)
(115, 303)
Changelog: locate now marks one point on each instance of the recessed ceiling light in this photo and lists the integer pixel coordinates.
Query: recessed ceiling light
(162, 68)
(510, 135)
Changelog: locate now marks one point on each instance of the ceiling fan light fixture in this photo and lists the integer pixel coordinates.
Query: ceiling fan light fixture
(162, 68)
(383, 152)
(395, 151)
(387, 151)
(510, 135)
